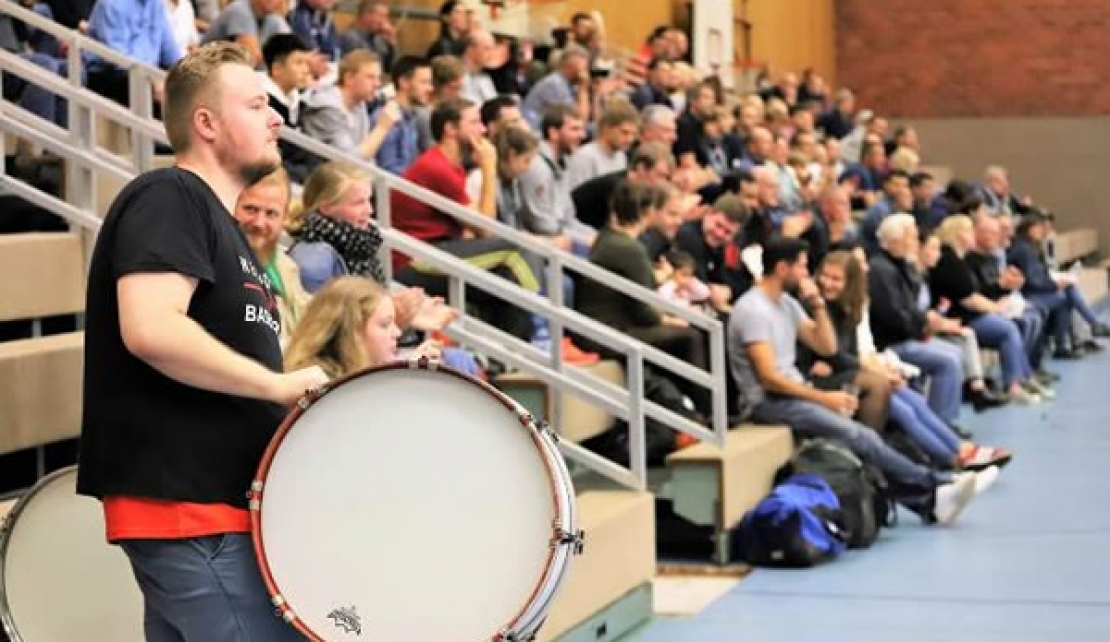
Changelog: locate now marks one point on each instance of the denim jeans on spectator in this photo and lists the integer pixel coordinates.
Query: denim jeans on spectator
(1057, 310)
(999, 333)
(942, 363)
(912, 413)
(1031, 324)
(811, 420)
(205, 588)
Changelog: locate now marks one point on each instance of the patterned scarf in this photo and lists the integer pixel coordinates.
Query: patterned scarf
(358, 248)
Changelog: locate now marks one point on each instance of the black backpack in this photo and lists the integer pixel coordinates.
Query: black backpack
(865, 499)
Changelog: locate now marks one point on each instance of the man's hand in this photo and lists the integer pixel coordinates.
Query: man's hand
(808, 292)
(406, 305)
(485, 153)
(795, 225)
(839, 402)
(287, 388)
(434, 315)
(389, 116)
(820, 369)
(1012, 278)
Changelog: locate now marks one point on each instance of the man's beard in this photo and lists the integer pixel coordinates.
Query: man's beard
(251, 173)
(263, 249)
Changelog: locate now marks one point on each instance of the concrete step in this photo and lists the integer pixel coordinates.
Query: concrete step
(40, 390)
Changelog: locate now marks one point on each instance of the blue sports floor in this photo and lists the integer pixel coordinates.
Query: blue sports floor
(1028, 560)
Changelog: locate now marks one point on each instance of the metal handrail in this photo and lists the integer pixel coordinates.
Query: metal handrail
(628, 404)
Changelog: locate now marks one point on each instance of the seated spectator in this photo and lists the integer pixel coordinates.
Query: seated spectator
(683, 286)
(335, 233)
(952, 331)
(997, 194)
(548, 207)
(287, 75)
(311, 20)
(764, 328)
(842, 282)
(872, 172)
(500, 113)
(42, 49)
(412, 82)
(477, 86)
(183, 21)
(759, 149)
(337, 114)
(707, 238)
(702, 104)
(447, 74)
(261, 212)
(832, 227)
(249, 23)
(516, 149)
(351, 324)
(567, 84)
(657, 89)
(455, 25)
(652, 163)
(896, 197)
(898, 322)
(458, 130)
(371, 30)
(1002, 283)
(139, 30)
(662, 228)
(616, 130)
(618, 250)
(1056, 295)
(923, 188)
(951, 282)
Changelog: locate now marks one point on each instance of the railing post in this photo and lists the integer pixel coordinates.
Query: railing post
(554, 277)
(383, 215)
(637, 446)
(718, 367)
(139, 92)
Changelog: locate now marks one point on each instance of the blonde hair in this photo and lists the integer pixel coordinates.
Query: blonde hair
(905, 159)
(354, 61)
(191, 83)
(329, 333)
(325, 185)
(952, 226)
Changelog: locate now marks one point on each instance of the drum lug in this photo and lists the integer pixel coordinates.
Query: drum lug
(546, 429)
(310, 397)
(508, 636)
(576, 540)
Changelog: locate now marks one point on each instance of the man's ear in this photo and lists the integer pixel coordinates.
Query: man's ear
(204, 124)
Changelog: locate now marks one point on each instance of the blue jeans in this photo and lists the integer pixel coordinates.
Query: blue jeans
(811, 420)
(205, 588)
(941, 361)
(1031, 324)
(911, 412)
(998, 332)
(1055, 307)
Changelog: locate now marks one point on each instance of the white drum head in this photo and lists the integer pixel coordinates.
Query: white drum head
(61, 581)
(409, 506)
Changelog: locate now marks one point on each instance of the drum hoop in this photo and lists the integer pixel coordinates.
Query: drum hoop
(6, 529)
(257, 491)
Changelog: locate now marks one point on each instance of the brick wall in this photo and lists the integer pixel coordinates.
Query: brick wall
(946, 58)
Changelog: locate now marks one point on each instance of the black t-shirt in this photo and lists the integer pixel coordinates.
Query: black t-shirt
(591, 199)
(143, 433)
(709, 262)
(656, 243)
(952, 279)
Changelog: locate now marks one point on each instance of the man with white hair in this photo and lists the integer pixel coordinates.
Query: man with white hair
(659, 124)
(998, 194)
(899, 323)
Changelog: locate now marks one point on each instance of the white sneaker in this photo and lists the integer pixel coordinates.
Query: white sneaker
(1039, 389)
(1024, 397)
(952, 498)
(983, 479)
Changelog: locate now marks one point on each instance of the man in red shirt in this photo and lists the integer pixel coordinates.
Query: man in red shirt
(458, 131)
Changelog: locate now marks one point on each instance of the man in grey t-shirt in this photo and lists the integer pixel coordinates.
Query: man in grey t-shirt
(249, 23)
(764, 328)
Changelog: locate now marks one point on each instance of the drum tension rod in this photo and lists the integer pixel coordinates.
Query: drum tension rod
(506, 636)
(576, 539)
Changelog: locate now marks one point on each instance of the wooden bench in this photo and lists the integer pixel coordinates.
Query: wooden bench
(581, 419)
(614, 572)
(715, 487)
(40, 390)
(43, 275)
(1074, 245)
